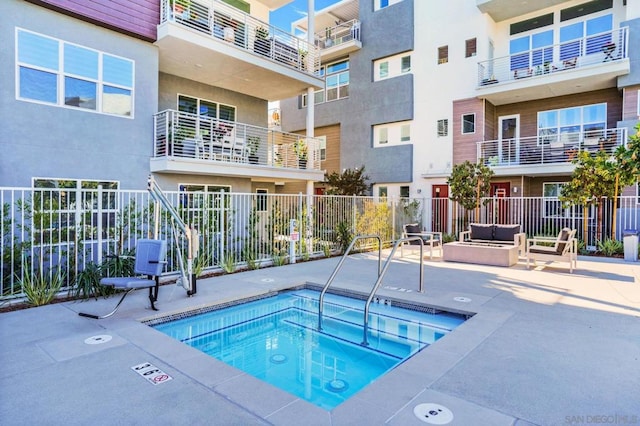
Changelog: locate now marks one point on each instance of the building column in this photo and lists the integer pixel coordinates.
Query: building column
(310, 124)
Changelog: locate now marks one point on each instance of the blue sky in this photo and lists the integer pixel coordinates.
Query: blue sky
(295, 10)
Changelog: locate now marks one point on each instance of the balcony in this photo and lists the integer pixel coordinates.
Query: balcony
(338, 41)
(586, 64)
(548, 154)
(216, 44)
(195, 144)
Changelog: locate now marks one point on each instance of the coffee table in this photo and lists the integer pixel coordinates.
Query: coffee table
(481, 254)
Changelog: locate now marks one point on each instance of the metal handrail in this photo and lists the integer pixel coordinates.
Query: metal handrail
(337, 268)
(381, 276)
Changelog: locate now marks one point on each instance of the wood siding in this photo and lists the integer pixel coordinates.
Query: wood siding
(464, 145)
(138, 18)
(630, 103)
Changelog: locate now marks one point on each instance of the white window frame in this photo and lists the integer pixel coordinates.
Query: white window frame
(199, 100)
(551, 134)
(462, 121)
(262, 199)
(322, 147)
(390, 134)
(565, 213)
(441, 124)
(394, 66)
(383, 4)
(61, 75)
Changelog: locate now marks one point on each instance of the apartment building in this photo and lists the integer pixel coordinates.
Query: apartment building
(107, 92)
(520, 86)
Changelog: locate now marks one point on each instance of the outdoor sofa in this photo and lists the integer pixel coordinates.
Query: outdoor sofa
(494, 234)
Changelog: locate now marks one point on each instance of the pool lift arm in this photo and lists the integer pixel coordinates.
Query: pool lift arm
(187, 276)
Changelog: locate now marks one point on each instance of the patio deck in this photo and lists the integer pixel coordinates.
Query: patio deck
(545, 348)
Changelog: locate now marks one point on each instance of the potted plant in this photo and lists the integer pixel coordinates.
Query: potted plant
(302, 54)
(180, 6)
(253, 144)
(262, 45)
(301, 150)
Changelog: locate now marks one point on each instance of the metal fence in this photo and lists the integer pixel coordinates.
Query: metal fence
(50, 230)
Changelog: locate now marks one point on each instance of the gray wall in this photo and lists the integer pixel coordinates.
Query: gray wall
(385, 32)
(634, 54)
(56, 142)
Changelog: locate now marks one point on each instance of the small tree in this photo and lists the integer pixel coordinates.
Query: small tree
(349, 182)
(592, 180)
(628, 160)
(469, 183)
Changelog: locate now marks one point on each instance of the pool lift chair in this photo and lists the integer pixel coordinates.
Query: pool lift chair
(150, 259)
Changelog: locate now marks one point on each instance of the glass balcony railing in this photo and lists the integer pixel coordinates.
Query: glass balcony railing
(223, 22)
(597, 49)
(339, 34)
(547, 149)
(191, 136)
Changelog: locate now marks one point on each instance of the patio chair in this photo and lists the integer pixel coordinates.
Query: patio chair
(431, 239)
(564, 249)
(150, 259)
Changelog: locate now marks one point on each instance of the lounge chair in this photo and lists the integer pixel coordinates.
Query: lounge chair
(431, 239)
(150, 259)
(564, 249)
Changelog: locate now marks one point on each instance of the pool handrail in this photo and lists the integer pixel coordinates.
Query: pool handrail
(339, 265)
(381, 276)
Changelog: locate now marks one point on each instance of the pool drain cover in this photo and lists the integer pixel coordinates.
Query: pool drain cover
(434, 414)
(337, 386)
(96, 340)
(278, 358)
(462, 299)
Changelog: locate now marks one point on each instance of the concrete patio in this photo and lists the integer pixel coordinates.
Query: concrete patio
(544, 347)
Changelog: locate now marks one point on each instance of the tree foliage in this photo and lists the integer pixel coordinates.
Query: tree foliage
(628, 159)
(349, 182)
(469, 182)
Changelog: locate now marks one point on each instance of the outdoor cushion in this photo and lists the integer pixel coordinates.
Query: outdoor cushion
(564, 236)
(506, 232)
(481, 232)
(412, 229)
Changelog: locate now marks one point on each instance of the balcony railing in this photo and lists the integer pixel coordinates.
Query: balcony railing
(595, 49)
(341, 33)
(547, 149)
(191, 136)
(223, 22)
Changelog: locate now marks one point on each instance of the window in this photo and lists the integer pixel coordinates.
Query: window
(383, 70)
(571, 43)
(337, 80)
(383, 135)
(70, 205)
(468, 123)
(443, 54)
(391, 66)
(398, 133)
(196, 199)
(261, 200)
(382, 191)
(552, 206)
(336, 83)
(570, 125)
(404, 191)
(206, 108)
(405, 133)
(405, 64)
(381, 4)
(531, 50)
(323, 147)
(443, 127)
(470, 48)
(55, 72)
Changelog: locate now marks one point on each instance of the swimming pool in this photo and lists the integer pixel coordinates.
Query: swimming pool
(276, 339)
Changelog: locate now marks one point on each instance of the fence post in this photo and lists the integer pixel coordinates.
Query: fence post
(99, 225)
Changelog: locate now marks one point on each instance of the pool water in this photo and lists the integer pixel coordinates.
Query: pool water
(276, 339)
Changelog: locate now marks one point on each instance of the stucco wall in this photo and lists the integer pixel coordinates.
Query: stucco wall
(384, 32)
(57, 142)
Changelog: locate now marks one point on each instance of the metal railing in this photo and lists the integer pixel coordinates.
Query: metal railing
(339, 34)
(49, 229)
(226, 23)
(549, 148)
(591, 50)
(184, 135)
